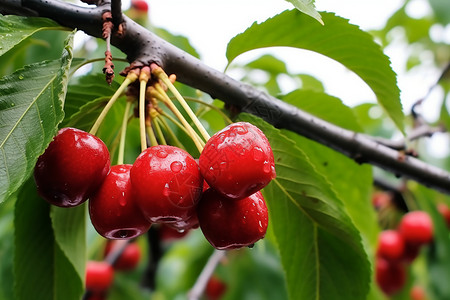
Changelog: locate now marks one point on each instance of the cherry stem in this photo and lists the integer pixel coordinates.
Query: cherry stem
(159, 132)
(123, 133)
(144, 76)
(175, 141)
(199, 287)
(179, 125)
(151, 134)
(131, 77)
(166, 100)
(159, 72)
(215, 108)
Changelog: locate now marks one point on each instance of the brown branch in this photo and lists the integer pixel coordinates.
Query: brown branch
(143, 48)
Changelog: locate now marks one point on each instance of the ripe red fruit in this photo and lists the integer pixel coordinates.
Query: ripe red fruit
(416, 227)
(411, 252)
(390, 245)
(229, 224)
(215, 288)
(444, 210)
(390, 276)
(72, 167)
(128, 259)
(113, 209)
(167, 184)
(99, 276)
(140, 5)
(238, 160)
(417, 293)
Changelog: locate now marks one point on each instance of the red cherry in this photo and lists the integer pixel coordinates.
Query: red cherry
(444, 210)
(389, 275)
(417, 293)
(99, 276)
(113, 209)
(229, 224)
(381, 199)
(411, 252)
(167, 184)
(140, 5)
(238, 160)
(390, 245)
(416, 227)
(128, 259)
(215, 288)
(168, 233)
(71, 168)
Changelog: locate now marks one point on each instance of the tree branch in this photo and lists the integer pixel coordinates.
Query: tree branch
(143, 47)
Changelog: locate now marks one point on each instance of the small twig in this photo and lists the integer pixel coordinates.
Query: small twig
(197, 290)
(108, 26)
(155, 254)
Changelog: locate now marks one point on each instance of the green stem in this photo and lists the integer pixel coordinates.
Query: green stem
(172, 135)
(142, 135)
(165, 79)
(215, 108)
(159, 132)
(123, 133)
(129, 79)
(197, 141)
(151, 134)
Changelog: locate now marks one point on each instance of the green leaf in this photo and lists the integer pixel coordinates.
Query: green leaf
(307, 7)
(41, 269)
(441, 11)
(15, 29)
(31, 107)
(69, 226)
(354, 186)
(320, 248)
(339, 40)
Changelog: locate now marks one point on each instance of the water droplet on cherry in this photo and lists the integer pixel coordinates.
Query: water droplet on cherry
(176, 166)
(166, 190)
(161, 154)
(258, 154)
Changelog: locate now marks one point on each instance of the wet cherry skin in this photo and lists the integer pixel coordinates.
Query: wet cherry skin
(232, 224)
(113, 209)
(167, 184)
(72, 167)
(416, 227)
(238, 160)
(99, 276)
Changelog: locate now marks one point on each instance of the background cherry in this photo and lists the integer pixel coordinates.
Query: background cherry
(229, 224)
(390, 245)
(167, 184)
(416, 227)
(238, 160)
(99, 276)
(215, 288)
(72, 167)
(113, 210)
(390, 276)
(128, 259)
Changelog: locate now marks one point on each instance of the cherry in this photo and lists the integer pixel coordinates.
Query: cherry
(417, 293)
(72, 167)
(167, 184)
(444, 210)
(215, 288)
(168, 233)
(389, 275)
(416, 227)
(140, 5)
(238, 160)
(128, 259)
(390, 245)
(99, 276)
(411, 252)
(381, 199)
(229, 224)
(113, 209)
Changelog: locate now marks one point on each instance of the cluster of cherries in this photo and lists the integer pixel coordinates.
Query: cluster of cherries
(398, 248)
(220, 192)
